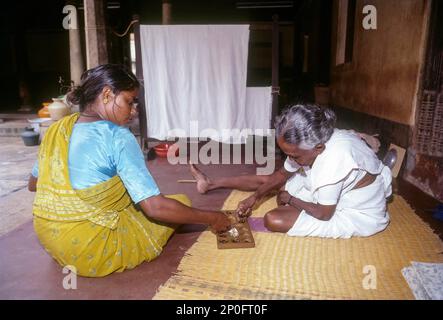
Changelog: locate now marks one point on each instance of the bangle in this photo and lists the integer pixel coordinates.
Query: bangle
(289, 201)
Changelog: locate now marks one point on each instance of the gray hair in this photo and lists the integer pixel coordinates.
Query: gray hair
(305, 125)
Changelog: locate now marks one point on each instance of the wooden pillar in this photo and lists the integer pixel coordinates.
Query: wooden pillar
(95, 28)
(275, 67)
(77, 65)
(166, 10)
(141, 93)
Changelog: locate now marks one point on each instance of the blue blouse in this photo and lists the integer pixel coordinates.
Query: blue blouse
(100, 150)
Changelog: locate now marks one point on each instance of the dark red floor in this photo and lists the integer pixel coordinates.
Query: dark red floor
(27, 272)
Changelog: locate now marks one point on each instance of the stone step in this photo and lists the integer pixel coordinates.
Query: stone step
(17, 116)
(12, 128)
(16, 127)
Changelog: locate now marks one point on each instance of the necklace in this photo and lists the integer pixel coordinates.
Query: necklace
(89, 115)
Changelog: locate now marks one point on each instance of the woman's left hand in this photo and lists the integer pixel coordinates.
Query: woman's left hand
(283, 198)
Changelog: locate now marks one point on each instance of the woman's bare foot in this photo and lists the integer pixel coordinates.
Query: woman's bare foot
(203, 181)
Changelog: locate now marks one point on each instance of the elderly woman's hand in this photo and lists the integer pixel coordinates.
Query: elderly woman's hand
(283, 198)
(244, 208)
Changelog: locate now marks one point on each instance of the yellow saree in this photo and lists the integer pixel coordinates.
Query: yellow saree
(97, 230)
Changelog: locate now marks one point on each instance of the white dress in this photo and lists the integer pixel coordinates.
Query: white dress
(330, 180)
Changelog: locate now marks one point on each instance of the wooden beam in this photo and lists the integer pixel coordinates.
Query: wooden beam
(166, 12)
(77, 65)
(275, 67)
(141, 92)
(266, 25)
(95, 32)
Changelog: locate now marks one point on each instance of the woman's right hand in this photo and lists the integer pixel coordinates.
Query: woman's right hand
(221, 223)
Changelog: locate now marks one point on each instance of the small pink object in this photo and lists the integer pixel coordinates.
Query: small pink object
(257, 224)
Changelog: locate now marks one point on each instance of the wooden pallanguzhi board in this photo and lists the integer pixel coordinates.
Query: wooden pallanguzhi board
(244, 238)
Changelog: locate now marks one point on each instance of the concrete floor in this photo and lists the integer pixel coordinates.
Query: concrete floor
(28, 272)
(16, 161)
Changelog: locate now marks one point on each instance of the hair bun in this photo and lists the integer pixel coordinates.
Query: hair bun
(330, 116)
(75, 96)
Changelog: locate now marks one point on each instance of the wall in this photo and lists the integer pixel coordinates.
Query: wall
(422, 170)
(382, 78)
(377, 91)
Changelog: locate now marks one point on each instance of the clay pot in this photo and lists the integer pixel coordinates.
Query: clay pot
(162, 150)
(58, 109)
(30, 137)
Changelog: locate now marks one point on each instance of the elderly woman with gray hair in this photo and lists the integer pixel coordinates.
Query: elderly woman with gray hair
(332, 184)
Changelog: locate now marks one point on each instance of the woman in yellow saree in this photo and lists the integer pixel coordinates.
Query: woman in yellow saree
(89, 175)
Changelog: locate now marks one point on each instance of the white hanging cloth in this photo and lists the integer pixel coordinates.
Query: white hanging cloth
(194, 73)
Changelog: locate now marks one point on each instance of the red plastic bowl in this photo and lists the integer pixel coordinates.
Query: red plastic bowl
(162, 149)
